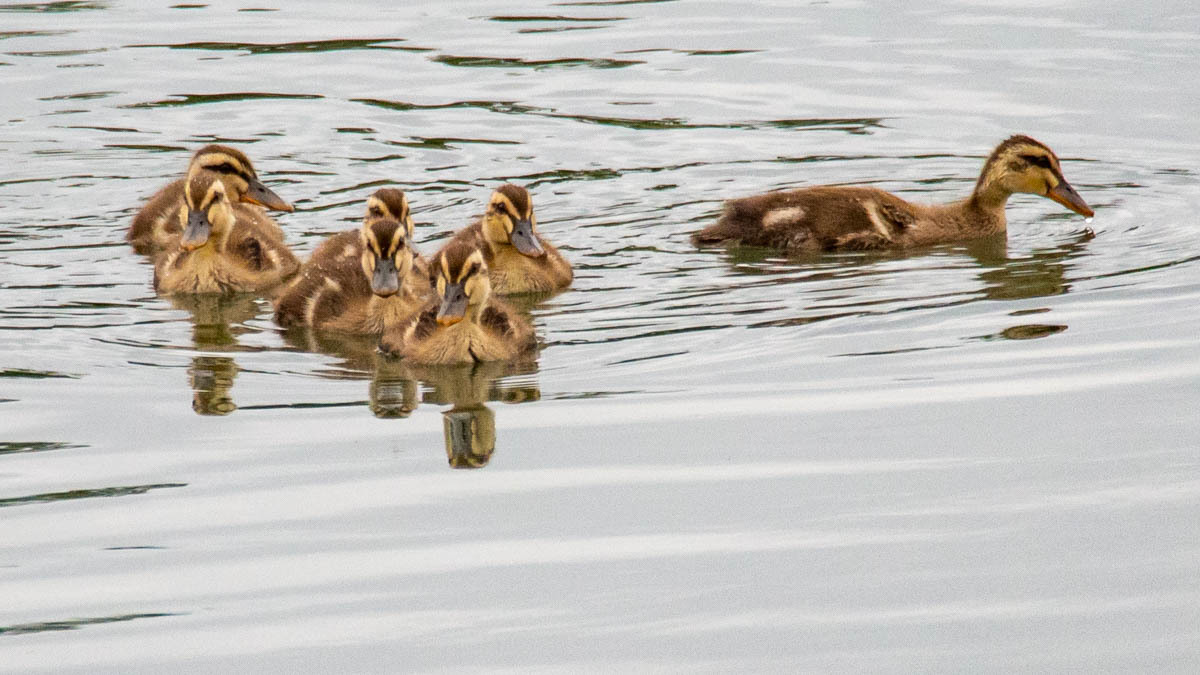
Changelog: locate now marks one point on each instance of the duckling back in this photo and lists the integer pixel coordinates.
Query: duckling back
(226, 248)
(156, 224)
(465, 323)
(519, 259)
(334, 292)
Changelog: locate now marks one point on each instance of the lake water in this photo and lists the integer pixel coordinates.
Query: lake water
(971, 458)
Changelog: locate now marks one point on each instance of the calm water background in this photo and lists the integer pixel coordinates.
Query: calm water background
(968, 458)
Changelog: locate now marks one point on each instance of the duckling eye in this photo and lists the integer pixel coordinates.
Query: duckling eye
(375, 211)
(1037, 160)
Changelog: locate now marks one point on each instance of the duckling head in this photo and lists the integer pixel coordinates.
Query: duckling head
(1022, 164)
(207, 212)
(461, 279)
(387, 257)
(509, 219)
(390, 203)
(236, 171)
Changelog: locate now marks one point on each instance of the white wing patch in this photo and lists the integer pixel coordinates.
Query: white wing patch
(784, 216)
(877, 219)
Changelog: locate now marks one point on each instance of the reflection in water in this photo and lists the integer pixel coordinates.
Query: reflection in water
(470, 436)
(1030, 331)
(1043, 273)
(393, 393)
(212, 378)
(395, 389)
(217, 321)
(470, 426)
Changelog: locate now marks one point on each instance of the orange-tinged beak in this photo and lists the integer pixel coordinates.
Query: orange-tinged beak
(454, 305)
(1066, 195)
(262, 195)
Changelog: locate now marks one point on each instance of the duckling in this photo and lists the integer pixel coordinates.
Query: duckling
(464, 324)
(832, 218)
(519, 259)
(155, 225)
(223, 247)
(364, 280)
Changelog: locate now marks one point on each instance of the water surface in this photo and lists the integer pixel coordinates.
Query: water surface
(972, 457)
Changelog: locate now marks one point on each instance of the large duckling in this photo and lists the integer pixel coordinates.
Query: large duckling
(364, 280)
(464, 323)
(519, 260)
(831, 218)
(222, 247)
(155, 225)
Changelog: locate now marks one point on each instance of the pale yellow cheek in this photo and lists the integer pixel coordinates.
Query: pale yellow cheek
(1035, 184)
(222, 215)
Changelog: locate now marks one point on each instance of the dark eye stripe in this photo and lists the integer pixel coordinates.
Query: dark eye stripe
(226, 168)
(1038, 160)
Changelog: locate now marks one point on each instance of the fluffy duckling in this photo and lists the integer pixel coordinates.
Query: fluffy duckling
(831, 218)
(155, 225)
(364, 280)
(222, 247)
(518, 259)
(464, 324)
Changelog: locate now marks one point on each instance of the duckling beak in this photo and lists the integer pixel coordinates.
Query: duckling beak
(1066, 195)
(386, 280)
(197, 231)
(262, 195)
(525, 240)
(454, 305)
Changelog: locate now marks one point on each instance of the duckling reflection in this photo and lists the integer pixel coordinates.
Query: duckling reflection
(393, 392)
(470, 426)
(217, 320)
(1044, 273)
(212, 379)
(470, 436)
(217, 323)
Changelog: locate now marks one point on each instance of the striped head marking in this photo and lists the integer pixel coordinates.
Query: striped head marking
(461, 279)
(392, 204)
(386, 256)
(1022, 164)
(206, 212)
(509, 220)
(235, 170)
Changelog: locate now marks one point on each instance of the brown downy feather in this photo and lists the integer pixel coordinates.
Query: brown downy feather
(489, 330)
(155, 225)
(510, 271)
(241, 254)
(333, 290)
(846, 218)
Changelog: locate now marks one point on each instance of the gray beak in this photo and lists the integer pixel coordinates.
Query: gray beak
(454, 305)
(263, 196)
(525, 240)
(386, 280)
(197, 231)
